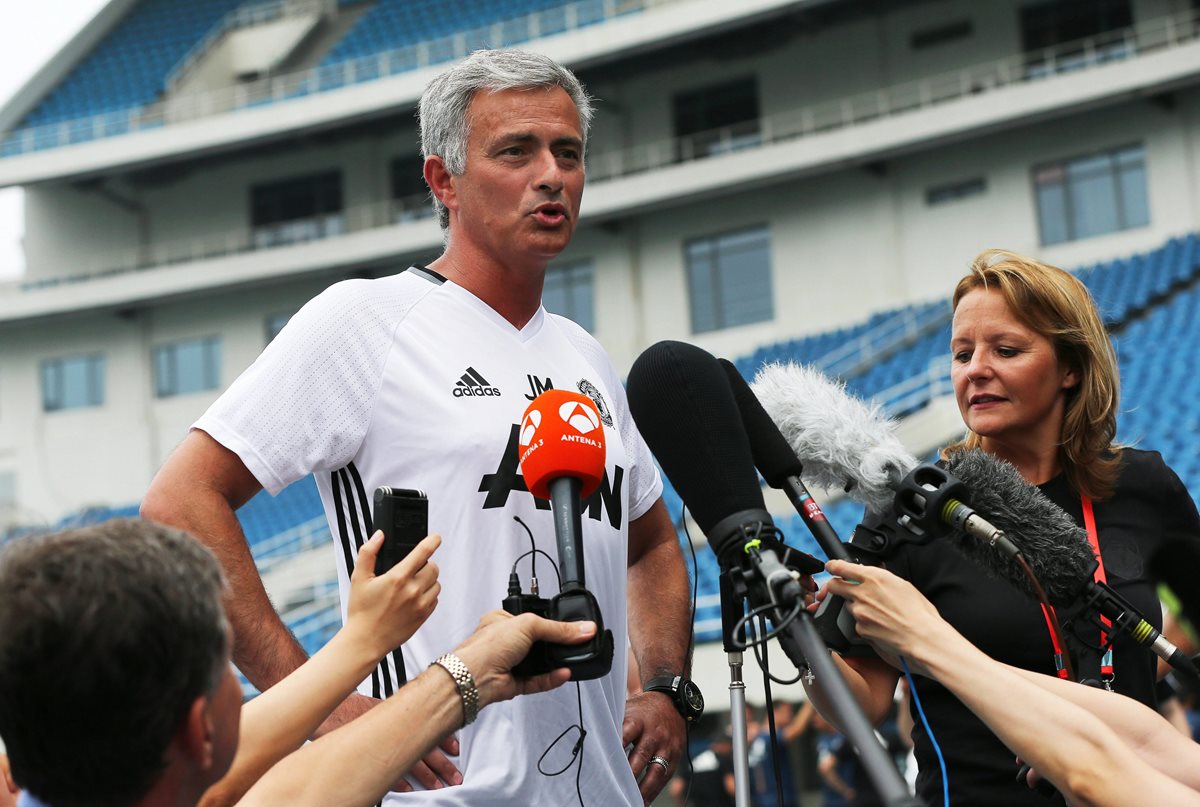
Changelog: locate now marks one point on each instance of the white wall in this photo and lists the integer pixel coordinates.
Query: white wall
(67, 460)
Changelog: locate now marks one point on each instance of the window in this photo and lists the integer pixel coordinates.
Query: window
(410, 194)
(299, 209)
(717, 119)
(729, 279)
(1092, 195)
(931, 37)
(274, 325)
(1053, 34)
(74, 382)
(568, 291)
(183, 367)
(953, 191)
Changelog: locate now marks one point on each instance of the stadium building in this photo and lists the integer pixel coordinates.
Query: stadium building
(769, 179)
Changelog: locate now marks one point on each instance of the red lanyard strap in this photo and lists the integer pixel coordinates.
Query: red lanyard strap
(1106, 665)
(1089, 521)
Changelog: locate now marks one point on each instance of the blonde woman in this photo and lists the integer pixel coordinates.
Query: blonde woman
(1036, 381)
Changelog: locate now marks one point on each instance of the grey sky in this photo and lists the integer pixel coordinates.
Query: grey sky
(30, 35)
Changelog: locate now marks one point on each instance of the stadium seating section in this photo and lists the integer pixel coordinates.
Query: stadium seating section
(392, 24)
(129, 67)
(127, 72)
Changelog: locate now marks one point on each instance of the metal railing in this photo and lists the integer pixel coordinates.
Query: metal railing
(323, 78)
(852, 110)
(1113, 46)
(915, 392)
(269, 553)
(904, 327)
(245, 17)
(925, 93)
(208, 246)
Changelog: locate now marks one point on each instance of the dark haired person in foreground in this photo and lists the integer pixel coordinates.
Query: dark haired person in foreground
(1097, 747)
(114, 664)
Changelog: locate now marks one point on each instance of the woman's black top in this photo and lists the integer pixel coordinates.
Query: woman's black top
(1149, 532)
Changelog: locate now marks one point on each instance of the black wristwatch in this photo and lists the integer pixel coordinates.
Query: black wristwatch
(682, 692)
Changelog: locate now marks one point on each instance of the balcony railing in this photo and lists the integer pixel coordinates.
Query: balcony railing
(1103, 49)
(245, 17)
(274, 89)
(607, 165)
(208, 246)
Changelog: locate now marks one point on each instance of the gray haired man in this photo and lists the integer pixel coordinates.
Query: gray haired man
(359, 390)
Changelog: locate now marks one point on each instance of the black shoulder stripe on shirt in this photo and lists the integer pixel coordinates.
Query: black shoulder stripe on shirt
(427, 273)
(340, 484)
(361, 522)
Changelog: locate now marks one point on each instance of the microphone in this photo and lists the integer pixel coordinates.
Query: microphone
(562, 450)
(684, 407)
(681, 401)
(778, 464)
(842, 441)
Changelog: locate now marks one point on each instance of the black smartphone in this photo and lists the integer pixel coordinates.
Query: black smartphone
(403, 515)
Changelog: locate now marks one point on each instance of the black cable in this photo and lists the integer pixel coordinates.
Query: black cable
(741, 625)
(687, 729)
(766, 671)
(533, 550)
(765, 665)
(577, 749)
(535, 553)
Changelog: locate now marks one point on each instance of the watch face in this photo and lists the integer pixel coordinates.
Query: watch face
(690, 695)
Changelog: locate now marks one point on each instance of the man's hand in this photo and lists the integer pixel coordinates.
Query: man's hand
(501, 641)
(387, 610)
(656, 729)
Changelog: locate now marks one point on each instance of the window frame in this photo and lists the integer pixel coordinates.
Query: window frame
(719, 315)
(95, 371)
(168, 351)
(1047, 177)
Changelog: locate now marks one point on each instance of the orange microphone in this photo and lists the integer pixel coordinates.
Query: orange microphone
(561, 449)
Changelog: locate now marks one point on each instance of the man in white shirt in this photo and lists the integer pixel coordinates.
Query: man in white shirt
(418, 380)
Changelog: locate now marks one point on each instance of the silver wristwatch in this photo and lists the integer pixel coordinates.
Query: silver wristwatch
(465, 683)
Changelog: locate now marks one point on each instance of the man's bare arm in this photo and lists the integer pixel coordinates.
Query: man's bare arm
(659, 634)
(198, 489)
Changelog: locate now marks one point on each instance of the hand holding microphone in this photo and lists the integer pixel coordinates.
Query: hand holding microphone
(562, 453)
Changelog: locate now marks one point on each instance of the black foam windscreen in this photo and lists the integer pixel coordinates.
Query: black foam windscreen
(773, 456)
(682, 403)
(1056, 548)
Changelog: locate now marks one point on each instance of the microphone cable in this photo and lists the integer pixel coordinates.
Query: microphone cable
(687, 729)
(1051, 617)
(912, 691)
(577, 748)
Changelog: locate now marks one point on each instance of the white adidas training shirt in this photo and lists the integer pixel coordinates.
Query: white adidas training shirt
(415, 383)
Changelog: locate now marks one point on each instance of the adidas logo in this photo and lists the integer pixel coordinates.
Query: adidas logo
(473, 385)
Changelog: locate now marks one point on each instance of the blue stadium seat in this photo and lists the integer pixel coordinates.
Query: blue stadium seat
(129, 67)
